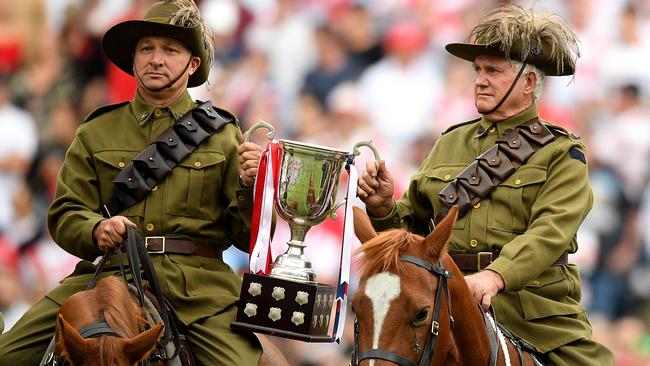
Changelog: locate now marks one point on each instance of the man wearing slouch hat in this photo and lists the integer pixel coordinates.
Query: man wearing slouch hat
(188, 215)
(521, 185)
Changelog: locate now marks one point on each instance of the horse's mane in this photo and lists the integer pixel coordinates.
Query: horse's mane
(121, 313)
(382, 252)
(116, 304)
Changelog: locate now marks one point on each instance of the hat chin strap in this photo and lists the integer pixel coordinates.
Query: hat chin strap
(512, 86)
(169, 85)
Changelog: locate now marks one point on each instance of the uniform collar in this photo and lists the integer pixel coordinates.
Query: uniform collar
(510, 123)
(144, 111)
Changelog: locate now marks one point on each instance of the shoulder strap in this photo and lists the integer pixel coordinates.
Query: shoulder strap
(103, 109)
(451, 128)
(153, 164)
(495, 165)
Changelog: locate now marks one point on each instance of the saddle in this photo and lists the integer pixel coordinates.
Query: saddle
(498, 335)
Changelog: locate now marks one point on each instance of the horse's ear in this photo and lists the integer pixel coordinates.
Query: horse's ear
(435, 244)
(70, 342)
(139, 347)
(362, 226)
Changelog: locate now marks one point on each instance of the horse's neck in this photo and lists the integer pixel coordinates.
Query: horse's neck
(469, 330)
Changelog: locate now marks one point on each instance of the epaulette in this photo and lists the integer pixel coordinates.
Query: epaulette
(103, 109)
(460, 124)
(558, 130)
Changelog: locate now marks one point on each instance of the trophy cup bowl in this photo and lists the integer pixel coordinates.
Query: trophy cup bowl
(289, 302)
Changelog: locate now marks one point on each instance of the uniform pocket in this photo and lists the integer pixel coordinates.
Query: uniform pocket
(194, 187)
(549, 295)
(438, 178)
(108, 164)
(513, 198)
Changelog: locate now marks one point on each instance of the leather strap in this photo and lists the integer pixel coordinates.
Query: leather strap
(477, 262)
(153, 164)
(495, 165)
(160, 245)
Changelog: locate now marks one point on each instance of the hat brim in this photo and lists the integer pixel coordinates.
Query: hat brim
(469, 51)
(120, 40)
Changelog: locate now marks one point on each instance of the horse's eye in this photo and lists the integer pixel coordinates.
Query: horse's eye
(421, 317)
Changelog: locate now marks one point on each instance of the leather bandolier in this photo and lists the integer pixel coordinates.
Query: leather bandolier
(154, 163)
(511, 150)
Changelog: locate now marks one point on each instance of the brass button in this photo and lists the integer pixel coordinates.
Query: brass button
(447, 176)
(197, 164)
(518, 181)
(121, 164)
(492, 129)
(150, 227)
(157, 112)
(477, 205)
(536, 283)
(241, 198)
(473, 243)
(155, 188)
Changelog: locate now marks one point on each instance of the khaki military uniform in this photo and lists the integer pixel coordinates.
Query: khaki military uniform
(199, 201)
(532, 218)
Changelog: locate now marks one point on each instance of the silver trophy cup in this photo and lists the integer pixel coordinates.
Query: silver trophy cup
(306, 194)
(289, 302)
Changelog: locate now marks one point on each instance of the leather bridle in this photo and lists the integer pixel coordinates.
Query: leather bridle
(427, 354)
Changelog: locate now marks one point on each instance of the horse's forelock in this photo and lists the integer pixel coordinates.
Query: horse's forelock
(382, 253)
(108, 350)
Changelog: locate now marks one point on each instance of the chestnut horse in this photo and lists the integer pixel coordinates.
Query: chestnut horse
(413, 306)
(103, 326)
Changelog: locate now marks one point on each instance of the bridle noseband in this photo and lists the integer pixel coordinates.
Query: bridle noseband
(427, 354)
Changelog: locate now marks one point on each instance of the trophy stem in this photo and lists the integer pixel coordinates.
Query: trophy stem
(294, 265)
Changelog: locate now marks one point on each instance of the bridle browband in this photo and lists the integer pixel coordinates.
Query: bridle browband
(95, 330)
(427, 354)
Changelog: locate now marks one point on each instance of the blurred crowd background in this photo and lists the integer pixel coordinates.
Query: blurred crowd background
(336, 72)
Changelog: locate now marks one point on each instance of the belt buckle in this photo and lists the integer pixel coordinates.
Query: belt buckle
(146, 244)
(478, 259)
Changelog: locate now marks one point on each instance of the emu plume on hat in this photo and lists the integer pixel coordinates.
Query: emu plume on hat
(178, 19)
(541, 39)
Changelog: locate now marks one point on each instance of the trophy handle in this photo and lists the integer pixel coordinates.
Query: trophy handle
(261, 123)
(356, 152)
(368, 144)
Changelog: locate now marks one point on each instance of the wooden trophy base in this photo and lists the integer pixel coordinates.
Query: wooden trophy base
(284, 308)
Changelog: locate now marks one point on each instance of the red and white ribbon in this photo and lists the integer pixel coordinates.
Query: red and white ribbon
(346, 254)
(266, 183)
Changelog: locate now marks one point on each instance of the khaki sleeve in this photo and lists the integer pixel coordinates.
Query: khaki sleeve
(73, 214)
(561, 205)
(240, 209)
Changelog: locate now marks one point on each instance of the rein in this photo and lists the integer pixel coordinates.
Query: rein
(427, 354)
(137, 258)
